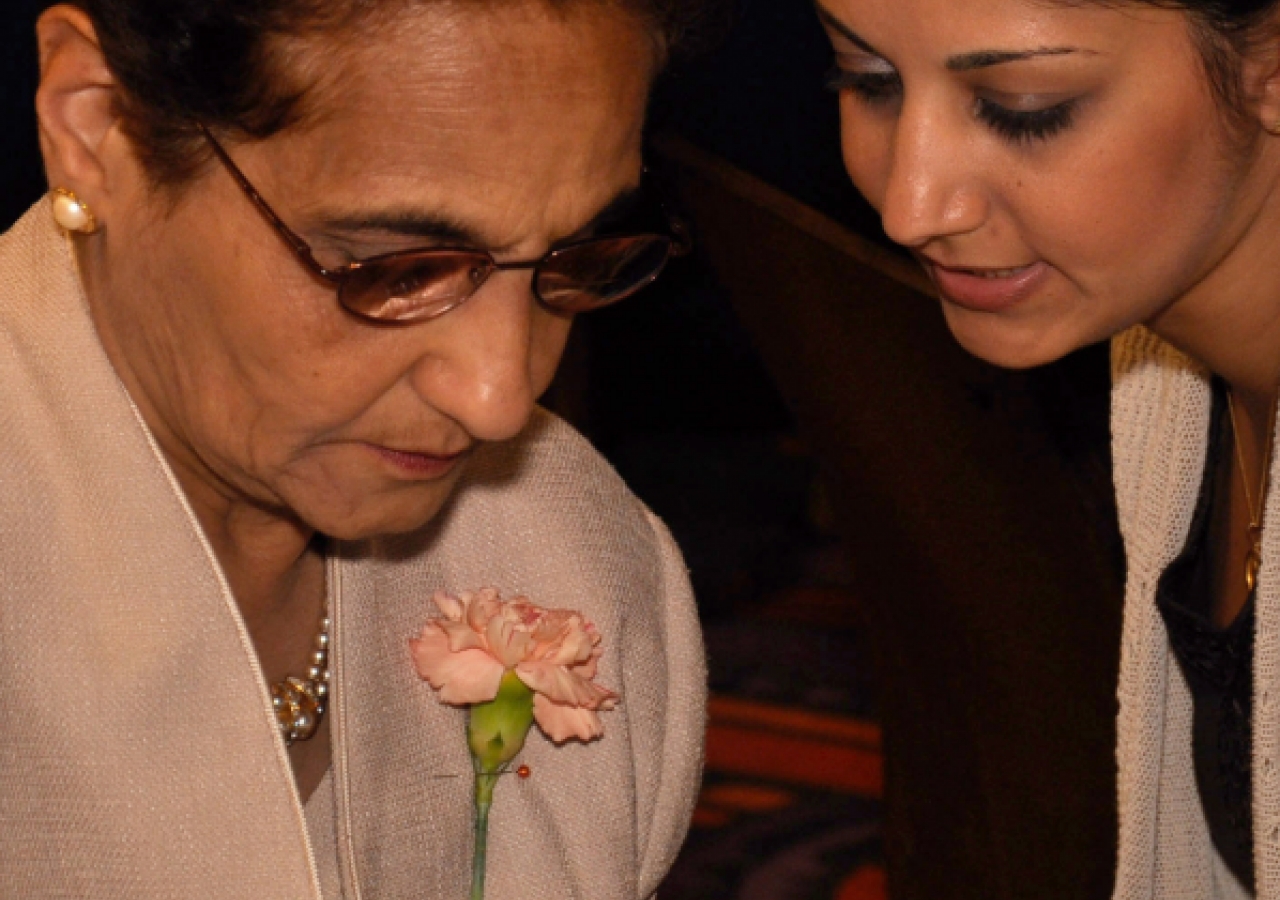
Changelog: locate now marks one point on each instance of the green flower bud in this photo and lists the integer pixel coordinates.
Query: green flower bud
(497, 729)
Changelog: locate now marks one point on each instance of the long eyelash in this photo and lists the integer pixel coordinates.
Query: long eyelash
(872, 87)
(1015, 126)
(1027, 127)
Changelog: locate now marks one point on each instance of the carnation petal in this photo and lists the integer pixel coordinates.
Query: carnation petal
(430, 645)
(467, 652)
(587, 668)
(574, 647)
(483, 605)
(558, 683)
(608, 699)
(470, 676)
(560, 722)
(526, 613)
(448, 605)
(460, 635)
(506, 641)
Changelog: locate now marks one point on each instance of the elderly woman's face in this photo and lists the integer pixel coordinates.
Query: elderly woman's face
(512, 124)
(1062, 171)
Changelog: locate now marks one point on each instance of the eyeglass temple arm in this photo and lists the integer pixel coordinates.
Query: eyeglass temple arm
(299, 246)
(682, 243)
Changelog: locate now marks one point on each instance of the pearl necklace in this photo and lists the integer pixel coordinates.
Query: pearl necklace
(300, 703)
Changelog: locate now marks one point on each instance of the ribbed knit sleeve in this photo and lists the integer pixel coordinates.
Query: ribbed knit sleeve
(1160, 419)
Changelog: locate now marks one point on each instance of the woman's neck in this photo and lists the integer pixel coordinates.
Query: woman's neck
(1235, 335)
(263, 550)
(270, 560)
(1229, 320)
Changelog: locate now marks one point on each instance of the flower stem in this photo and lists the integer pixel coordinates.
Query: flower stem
(484, 799)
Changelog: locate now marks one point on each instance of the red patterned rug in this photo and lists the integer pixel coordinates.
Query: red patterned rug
(789, 808)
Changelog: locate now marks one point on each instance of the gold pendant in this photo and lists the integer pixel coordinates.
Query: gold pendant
(1252, 563)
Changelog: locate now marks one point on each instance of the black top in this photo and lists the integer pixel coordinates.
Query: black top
(1217, 663)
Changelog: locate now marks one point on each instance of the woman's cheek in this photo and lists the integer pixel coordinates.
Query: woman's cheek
(550, 337)
(867, 147)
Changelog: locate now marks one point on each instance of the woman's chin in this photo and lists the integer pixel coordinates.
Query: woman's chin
(1007, 344)
(367, 516)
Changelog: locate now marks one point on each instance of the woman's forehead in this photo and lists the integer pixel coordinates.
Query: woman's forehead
(437, 56)
(506, 117)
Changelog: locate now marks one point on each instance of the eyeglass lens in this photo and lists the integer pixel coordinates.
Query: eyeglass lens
(573, 279)
(415, 285)
(588, 276)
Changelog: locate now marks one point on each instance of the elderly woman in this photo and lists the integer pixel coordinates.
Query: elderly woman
(269, 356)
(1074, 170)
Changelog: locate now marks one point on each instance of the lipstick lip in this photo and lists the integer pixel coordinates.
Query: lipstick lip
(962, 286)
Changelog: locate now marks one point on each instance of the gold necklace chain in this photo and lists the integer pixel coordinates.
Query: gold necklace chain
(1253, 559)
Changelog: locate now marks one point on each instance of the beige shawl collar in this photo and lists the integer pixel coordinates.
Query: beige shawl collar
(138, 757)
(1160, 424)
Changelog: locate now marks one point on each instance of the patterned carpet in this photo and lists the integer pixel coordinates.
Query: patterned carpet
(790, 804)
(789, 809)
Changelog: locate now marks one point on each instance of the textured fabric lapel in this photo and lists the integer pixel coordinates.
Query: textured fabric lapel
(1266, 701)
(402, 773)
(137, 753)
(544, 517)
(1160, 419)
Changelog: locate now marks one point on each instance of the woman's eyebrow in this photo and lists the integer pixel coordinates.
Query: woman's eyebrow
(408, 223)
(982, 59)
(963, 62)
(445, 230)
(845, 30)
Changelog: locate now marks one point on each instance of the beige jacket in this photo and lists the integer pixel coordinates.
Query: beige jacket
(138, 753)
(1160, 427)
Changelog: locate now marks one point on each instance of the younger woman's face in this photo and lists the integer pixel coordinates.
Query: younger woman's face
(1061, 172)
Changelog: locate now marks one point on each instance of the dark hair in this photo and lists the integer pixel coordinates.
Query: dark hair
(179, 62)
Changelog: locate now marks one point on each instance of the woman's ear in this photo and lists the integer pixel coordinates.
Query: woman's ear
(75, 104)
(1270, 106)
(1262, 73)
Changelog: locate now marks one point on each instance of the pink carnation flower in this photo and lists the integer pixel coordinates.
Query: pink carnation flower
(552, 651)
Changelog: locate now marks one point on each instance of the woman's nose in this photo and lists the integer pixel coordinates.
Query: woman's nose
(931, 190)
(492, 358)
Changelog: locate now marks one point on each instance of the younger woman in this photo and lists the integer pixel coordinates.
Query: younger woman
(1068, 172)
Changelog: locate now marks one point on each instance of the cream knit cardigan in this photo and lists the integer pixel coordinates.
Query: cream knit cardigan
(1160, 424)
(139, 758)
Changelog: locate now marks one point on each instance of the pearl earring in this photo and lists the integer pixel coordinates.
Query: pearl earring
(71, 213)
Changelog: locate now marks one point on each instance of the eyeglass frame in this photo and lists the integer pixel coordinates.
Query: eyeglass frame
(680, 244)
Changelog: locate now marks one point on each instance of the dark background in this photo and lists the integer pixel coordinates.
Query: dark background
(21, 177)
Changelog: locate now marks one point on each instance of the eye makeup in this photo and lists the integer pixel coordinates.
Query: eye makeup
(1020, 127)
(868, 86)
(1026, 126)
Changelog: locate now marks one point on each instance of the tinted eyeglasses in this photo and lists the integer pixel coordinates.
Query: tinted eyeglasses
(414, 285)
